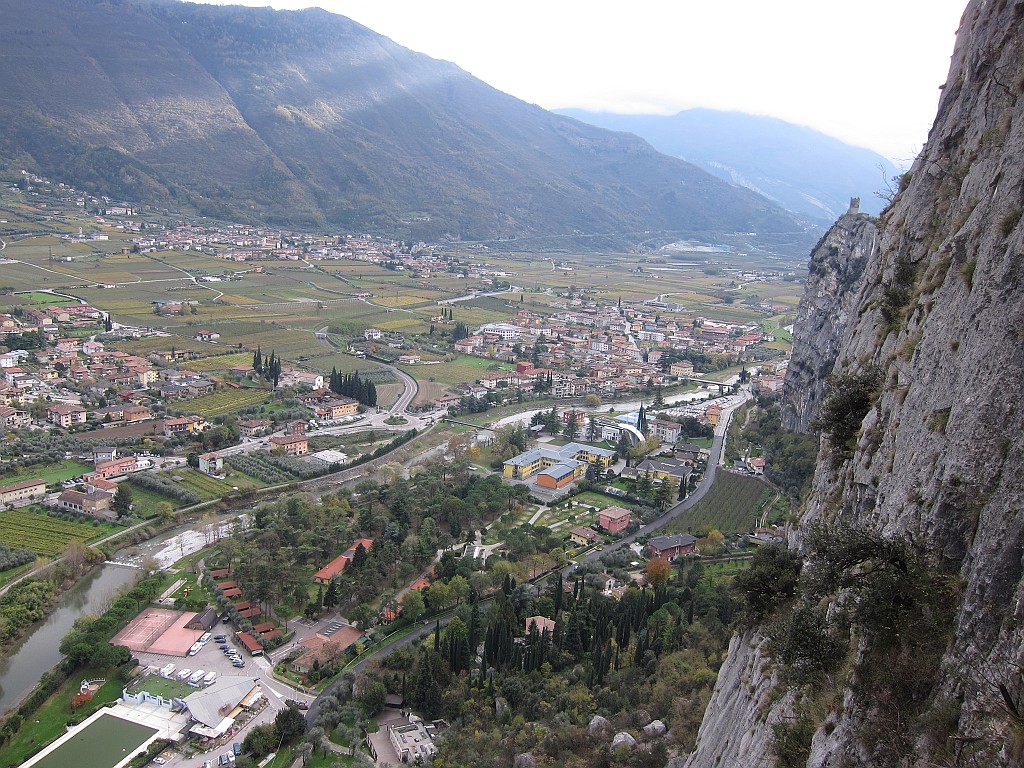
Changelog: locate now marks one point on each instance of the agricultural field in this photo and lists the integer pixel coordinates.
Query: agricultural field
(41, 298)
(388, 394)
(47, 536)
(353, 318)
(208, 488)
(226, 401)
(289, 343)
(427, 391)
(732, 505)
(464, 368)
(348, 364)
(149, 344)
(403, 323)
(221, 362)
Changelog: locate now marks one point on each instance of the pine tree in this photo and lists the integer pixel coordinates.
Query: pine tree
(257, 361)
(331, 597)
(622, 446)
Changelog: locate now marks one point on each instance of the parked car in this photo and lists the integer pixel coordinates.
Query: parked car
(237, 748)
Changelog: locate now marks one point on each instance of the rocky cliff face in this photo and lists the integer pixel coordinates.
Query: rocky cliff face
(936, 460)
(833, 284)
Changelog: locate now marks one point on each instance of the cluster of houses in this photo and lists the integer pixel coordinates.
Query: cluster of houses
(262, 631)
(66, 361)
(589, 348)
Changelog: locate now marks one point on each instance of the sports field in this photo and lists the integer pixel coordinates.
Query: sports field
(104, 743)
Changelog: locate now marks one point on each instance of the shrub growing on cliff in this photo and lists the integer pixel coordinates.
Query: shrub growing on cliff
(848, 398)
(770, 582)
(900, 602)
(898, 292)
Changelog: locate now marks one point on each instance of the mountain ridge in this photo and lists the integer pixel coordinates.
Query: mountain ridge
(808, 172)
(306, 118)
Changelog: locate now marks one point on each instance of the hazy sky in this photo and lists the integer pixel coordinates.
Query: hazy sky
(865, 71)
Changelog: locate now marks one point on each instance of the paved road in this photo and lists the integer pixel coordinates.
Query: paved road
(715, 461)
(408, 382)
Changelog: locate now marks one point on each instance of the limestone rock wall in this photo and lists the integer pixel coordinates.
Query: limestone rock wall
(833, 285)
(940, 312)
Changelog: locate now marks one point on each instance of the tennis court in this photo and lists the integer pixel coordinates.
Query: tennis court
(177, 638)
(144, 629)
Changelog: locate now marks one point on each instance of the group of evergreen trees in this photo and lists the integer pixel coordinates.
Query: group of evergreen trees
(350, 385)
(593, 629)
(267, 367)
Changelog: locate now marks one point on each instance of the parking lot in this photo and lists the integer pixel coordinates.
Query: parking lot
(211, 658)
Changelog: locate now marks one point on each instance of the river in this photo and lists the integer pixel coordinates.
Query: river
(37, 652)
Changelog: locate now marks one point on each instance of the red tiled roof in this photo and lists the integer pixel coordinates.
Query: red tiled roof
(250, 642)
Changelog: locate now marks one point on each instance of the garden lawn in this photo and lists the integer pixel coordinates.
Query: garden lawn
(102, 743)
(50, 474)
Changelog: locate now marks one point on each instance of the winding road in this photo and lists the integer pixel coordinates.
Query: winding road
(410, 387)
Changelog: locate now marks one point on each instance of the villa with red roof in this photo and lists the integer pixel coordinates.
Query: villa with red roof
(340, 563)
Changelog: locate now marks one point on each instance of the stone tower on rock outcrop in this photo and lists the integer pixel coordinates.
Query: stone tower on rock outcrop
(833, 284)
(936, 313)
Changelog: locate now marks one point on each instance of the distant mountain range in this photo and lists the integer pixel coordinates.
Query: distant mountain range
(805, 171)
(306, 119)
